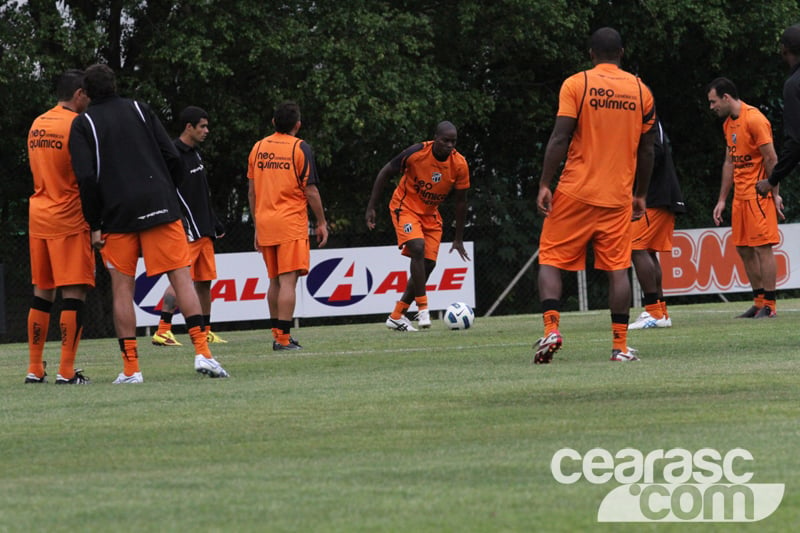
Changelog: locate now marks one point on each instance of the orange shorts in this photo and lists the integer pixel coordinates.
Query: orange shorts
(201, 254)
(62, 261)
(163, 247)
(754, 222)
(572, 225)
(653, 232)
(287, 257)
(409, 226)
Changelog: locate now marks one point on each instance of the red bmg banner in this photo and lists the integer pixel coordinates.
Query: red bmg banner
(705, 261)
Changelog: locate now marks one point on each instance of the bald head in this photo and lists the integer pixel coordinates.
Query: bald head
(444, 140)
(444, 126)
(791, 39)
(606, 44)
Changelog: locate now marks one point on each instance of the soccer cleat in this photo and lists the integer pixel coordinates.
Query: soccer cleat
(766, 312)
(165, 339)
(77, 379)
(291, 346)
(33, 378)
(213, 338)
(401, 324)
(750, 313)
(647, 321)
(546, 347)
(624, 357)
(209, 367)
(423, 318)
(123, 379)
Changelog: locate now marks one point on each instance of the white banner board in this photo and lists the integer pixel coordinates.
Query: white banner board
(705, 261)
(345, 281)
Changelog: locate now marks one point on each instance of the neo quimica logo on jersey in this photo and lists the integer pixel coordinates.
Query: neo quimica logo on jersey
(675, 485)
(338, 283)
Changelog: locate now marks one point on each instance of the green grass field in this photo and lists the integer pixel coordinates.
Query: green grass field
(373, 430)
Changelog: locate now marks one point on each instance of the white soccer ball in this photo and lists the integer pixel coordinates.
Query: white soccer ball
(459, 316)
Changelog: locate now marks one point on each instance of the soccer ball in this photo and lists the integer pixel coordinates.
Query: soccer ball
(459, 316)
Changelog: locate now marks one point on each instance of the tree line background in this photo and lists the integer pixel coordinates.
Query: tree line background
(373, 77)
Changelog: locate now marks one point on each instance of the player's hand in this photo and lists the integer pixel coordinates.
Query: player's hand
(718, 209)
(763, 187)
(97, 239)
(779, 206)
(544, 201)
(639, 208)
(459, 247)
(322, 234)
(370, 217)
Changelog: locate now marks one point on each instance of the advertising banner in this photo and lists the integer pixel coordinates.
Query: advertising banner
(346, 281)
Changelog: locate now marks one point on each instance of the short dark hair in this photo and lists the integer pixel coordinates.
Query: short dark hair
(69, 82)
(192, 115)
(791, 39)
(99, 81)
(444, 126)
(606, 43)
(286, 115)
(723, 86)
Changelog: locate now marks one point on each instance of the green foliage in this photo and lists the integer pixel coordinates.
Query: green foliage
(373, 77)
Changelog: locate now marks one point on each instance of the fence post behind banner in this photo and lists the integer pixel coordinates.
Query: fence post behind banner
(514, 281)
(2, 301)
(583, 296)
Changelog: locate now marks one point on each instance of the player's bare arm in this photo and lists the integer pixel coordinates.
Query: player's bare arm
(554, 154)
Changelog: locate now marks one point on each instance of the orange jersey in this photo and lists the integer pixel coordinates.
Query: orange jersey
(426, 181)
(55, 206)
(744, 135)
(613, 109)
(281, 166)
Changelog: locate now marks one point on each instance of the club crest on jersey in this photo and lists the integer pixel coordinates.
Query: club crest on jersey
(733, 138)
(407, 228)
(436, 177)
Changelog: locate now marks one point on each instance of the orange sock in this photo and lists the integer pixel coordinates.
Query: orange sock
(275, 333)
(130, 356)
(758, 301)
(71, 329)
(164, 327)
(654, 310)
(620, 332)
(38, 324)
(422, 302)
(200, 341)
(283, 338)
(663, 305)
(551, 320)
(770, 303)
(399, 308)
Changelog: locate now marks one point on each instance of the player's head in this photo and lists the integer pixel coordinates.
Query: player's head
(605, 45)
(444, 139)
(195, 125)
(722, 97)
(99, 81)
(286, 118)
(790, 44)
(69, 90)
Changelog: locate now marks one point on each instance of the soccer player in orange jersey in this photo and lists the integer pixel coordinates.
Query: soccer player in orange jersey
(605, 129)
(430, 170)
(60, 245)
(749, 157)
(282, 180)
